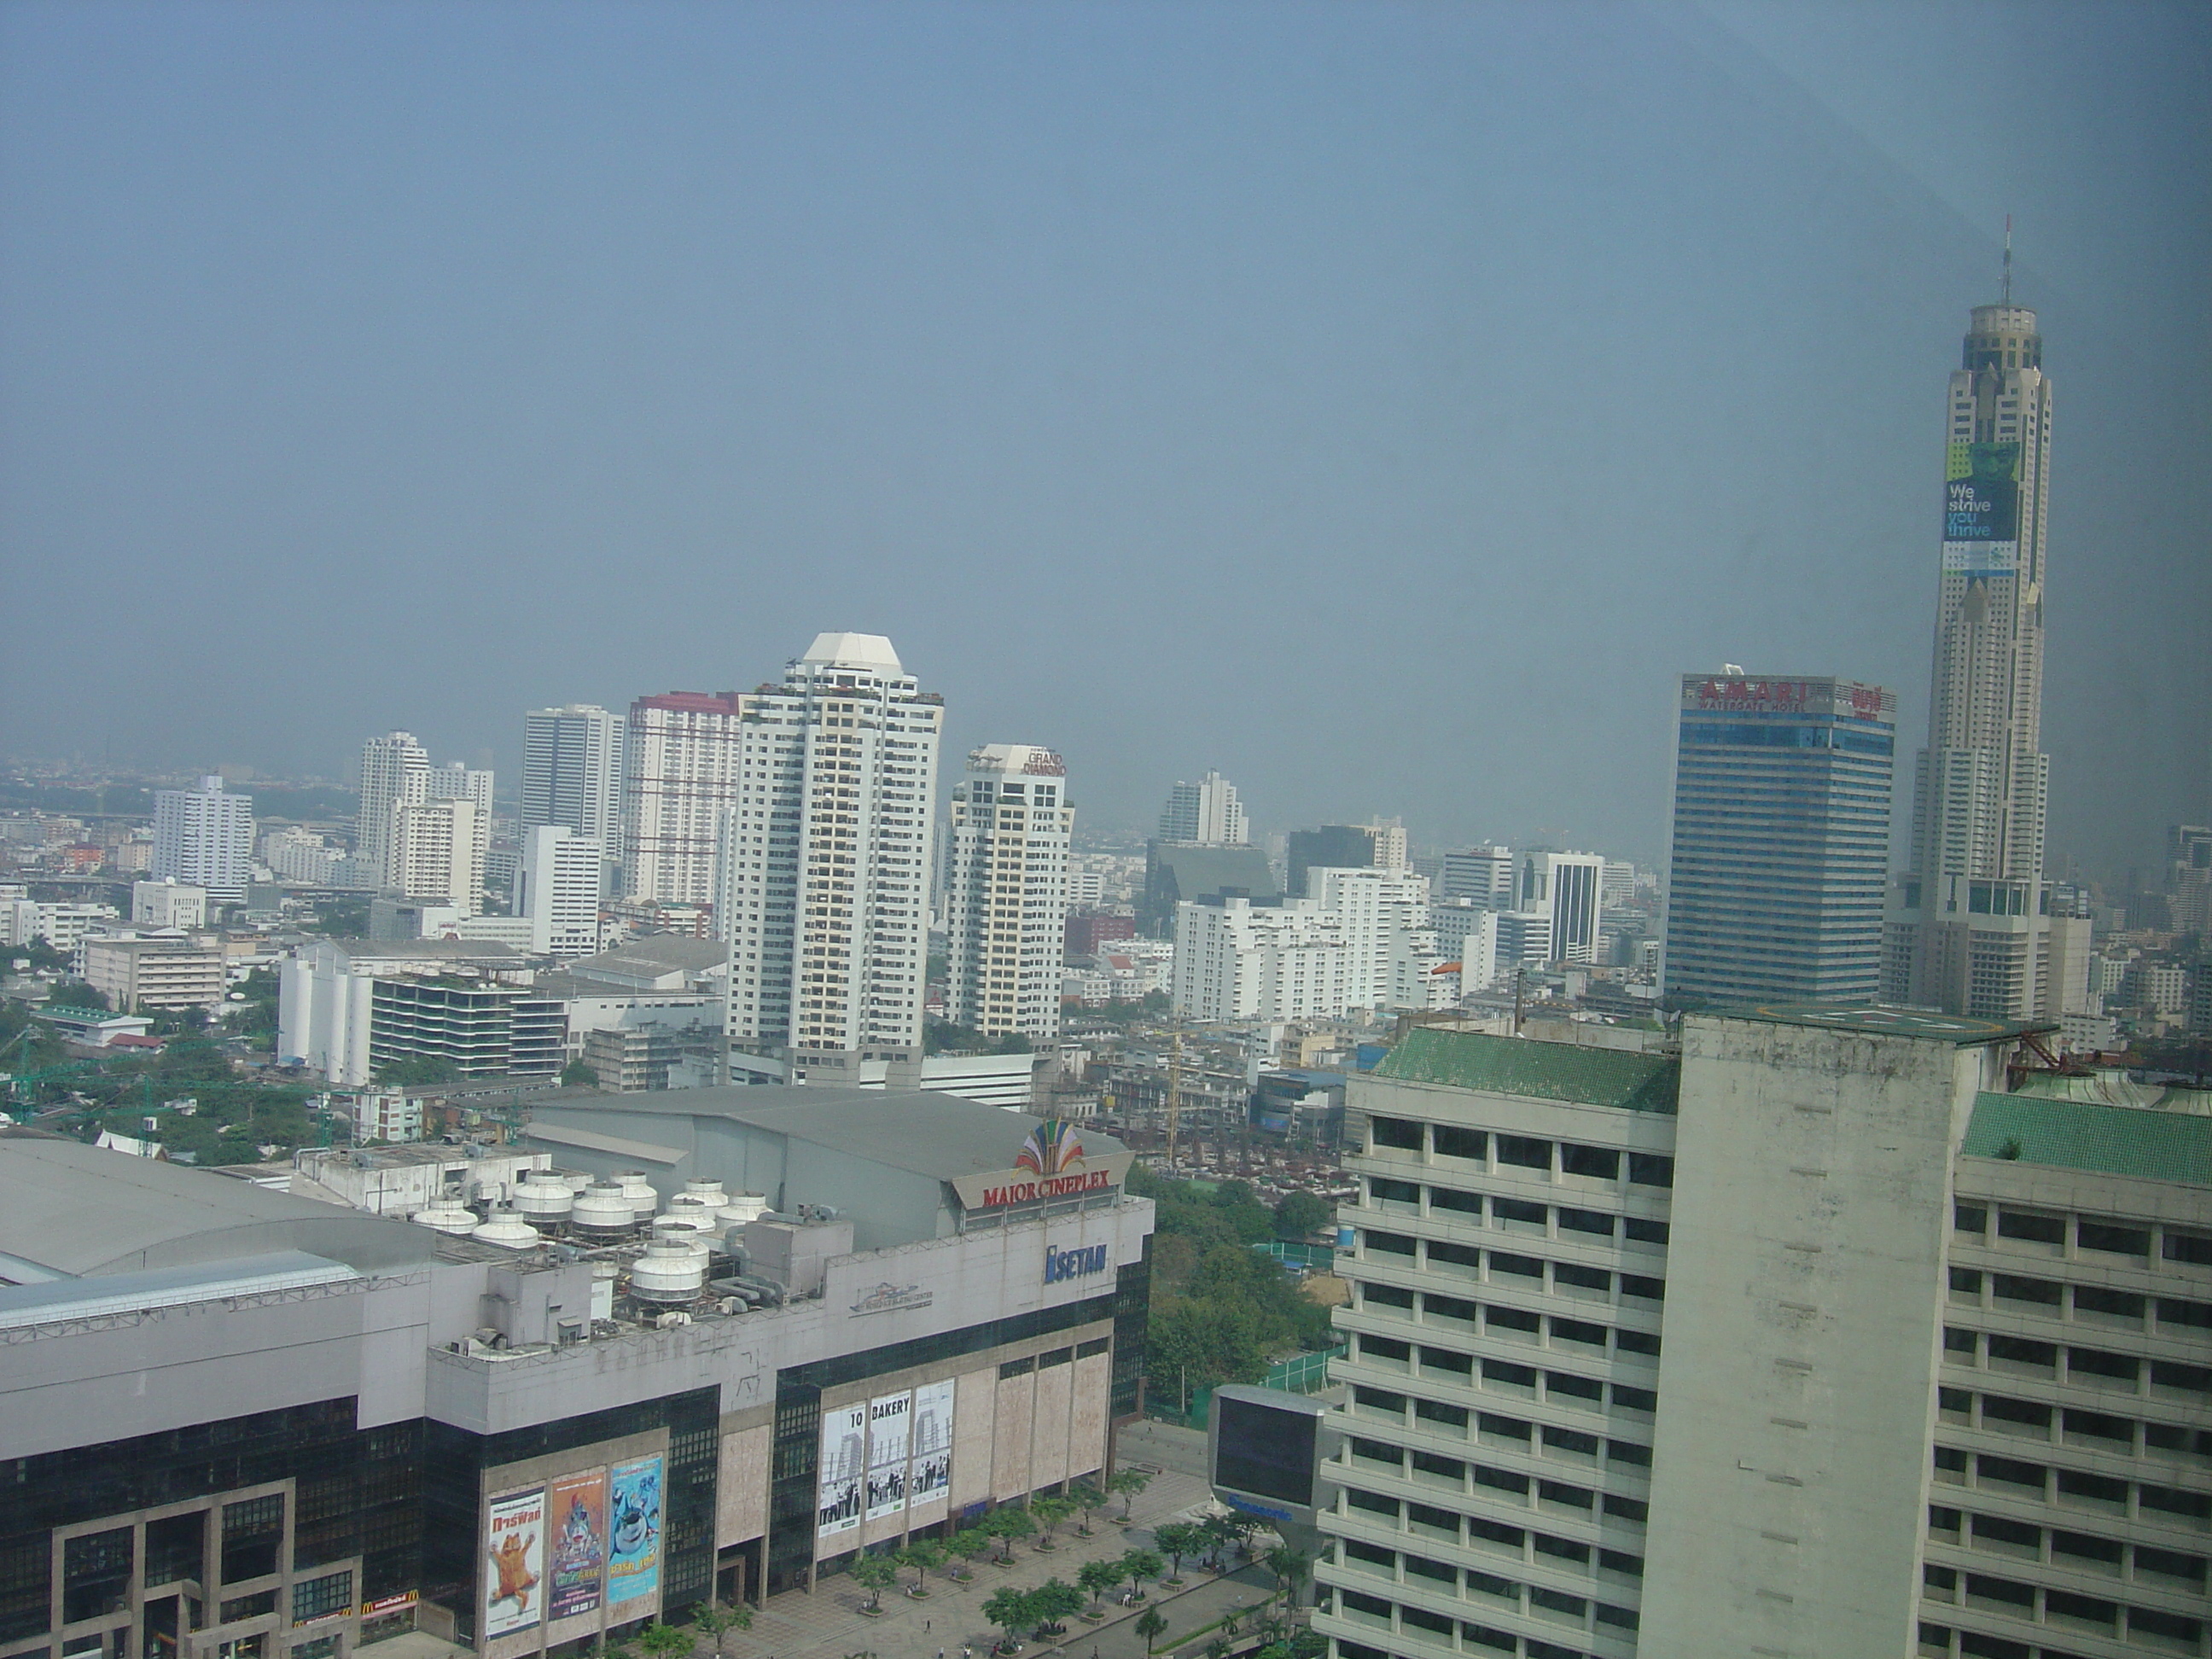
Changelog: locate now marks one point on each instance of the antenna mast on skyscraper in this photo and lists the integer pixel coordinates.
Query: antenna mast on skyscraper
(2007, 260)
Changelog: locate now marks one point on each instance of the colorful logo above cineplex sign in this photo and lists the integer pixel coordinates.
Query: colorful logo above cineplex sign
(1049, 1163)
(1074, 1264)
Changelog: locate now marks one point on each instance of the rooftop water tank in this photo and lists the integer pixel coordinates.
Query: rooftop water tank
(709, 1193)
(447, 1217)
(543, 1200)
(668, 1273)
(506, 1230)
(577, 1179)
(601, 1212)
(643, 1200)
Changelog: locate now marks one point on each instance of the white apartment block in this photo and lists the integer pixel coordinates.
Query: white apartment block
(683, 753)
(435, 853)
(1237, 961)
(572, 771)
(1005, 890)
(203, 837)
(1363, 941)
(394, 772)
(1206, 811)
(1812, 1340)
(297, 853)
(169, 904)
(454, 781)
(557, 889)
(821, 885)
(64, 926)
(1466, 932)
(142, 975)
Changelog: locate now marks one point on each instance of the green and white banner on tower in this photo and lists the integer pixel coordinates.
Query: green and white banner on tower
(1981, 509)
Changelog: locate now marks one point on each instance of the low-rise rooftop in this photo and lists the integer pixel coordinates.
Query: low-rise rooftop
(1528, 1067)
(1885, 1019)
(2073, 1134)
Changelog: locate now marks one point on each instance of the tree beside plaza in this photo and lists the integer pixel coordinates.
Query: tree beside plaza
(1150, 1624)
(1085, 1497)
(925, 1557)
(718, 1621)
(662, 1640)
(1006, 1524)
(1009, 1609)
(875, 1574)
(1137, 1566)
(1049, 1513)
(1126, 1484)
(970, 1544)
(1096, 1577)
(1289, 1568)
(1051, 1604)
(1177, 1539)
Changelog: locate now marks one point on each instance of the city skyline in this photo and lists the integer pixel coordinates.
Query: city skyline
(1181, 344)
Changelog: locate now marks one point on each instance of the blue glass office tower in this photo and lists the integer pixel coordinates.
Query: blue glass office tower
(1781, 839)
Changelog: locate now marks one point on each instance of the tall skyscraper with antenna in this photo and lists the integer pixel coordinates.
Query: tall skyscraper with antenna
(1968, 929)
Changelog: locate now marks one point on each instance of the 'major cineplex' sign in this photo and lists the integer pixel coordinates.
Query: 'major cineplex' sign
(1051, 1164)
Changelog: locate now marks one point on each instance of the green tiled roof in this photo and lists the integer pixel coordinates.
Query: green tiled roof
(1544, 1071)
(2071, 1134)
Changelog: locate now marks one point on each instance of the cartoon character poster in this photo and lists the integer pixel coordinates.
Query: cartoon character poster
(633, 1529)
(844, 1463)
(515, 1548)
(932, 1473)
(890, 1423)
(578, 1505)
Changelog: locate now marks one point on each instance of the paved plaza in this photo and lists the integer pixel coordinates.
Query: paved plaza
(830, 1624)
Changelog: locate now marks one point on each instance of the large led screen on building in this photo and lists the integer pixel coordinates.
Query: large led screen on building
(842, 1466)
(515, 1548)
(1981, 509)
(1267, 1452)
(634, 1530)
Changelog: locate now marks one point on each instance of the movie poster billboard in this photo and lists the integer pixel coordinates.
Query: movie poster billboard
(931, 1469)
(578, 1505)
(1981, 509)
(633, 1529)
(891, 1428)
(514, 1547)
(843, 1468)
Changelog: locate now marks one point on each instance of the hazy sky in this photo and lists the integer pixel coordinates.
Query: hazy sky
(1380, 403)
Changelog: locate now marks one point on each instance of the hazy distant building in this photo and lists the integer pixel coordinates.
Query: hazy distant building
(1178, 871)
(1781, 838)
(169, 904)
(572, 771)
(203, 837)
(681, 754)
(2189, 877)
(1484, 874)
(1362, 940)
(1379, 846)
(1558, 901)
(1005, 890)
(822, 881)
(1968, 929)
(394, 772)
(1207, 813)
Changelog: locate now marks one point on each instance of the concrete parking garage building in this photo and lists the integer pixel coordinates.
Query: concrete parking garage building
(236, 1423)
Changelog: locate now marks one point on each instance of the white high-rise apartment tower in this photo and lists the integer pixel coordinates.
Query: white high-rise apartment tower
(822, 879)
(454, 781)
(394, 772)
(203, 837)
(1967, 929)
(572, 770)
(557, 885)
(435, 855)
(681, 757)
(1005, 890)
(1206, 812)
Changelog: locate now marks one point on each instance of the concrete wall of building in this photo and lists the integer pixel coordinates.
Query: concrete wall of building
(170, 1368)
(1802, 1335)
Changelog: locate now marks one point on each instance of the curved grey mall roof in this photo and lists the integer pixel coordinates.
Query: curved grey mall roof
(925, 1132)
(71, 1211)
